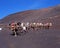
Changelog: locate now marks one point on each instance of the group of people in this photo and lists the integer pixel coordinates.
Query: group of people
(23, 27)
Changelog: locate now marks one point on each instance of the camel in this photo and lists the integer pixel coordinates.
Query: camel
(47, 25)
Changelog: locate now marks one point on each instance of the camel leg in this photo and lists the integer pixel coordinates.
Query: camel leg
(15, 33)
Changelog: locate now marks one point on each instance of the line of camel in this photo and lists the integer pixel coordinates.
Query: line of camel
(23, 27)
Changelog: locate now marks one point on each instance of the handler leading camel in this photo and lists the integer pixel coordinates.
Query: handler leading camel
(13, 27)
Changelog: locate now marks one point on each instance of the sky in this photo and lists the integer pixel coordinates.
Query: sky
(8, 7)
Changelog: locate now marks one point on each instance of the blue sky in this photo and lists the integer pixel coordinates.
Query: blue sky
(12, 6)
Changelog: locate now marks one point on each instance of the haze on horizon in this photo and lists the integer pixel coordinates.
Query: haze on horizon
(12, 6)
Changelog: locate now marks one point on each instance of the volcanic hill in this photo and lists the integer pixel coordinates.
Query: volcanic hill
(44, 38)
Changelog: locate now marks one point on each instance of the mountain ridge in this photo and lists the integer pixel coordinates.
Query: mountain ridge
(33, 12)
